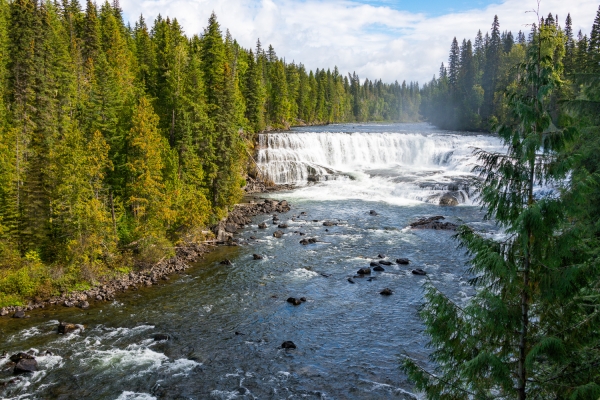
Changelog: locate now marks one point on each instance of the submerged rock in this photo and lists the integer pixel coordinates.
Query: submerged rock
(351, 280)
(373, 212)
(418, 271)
(382, 262)
(161, 336)
(288, 344)
(386, 292)
(257, 256)
(378, 268)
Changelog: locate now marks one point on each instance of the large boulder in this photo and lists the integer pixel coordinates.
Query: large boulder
(448, 200)
(433, 223)
(26, 365)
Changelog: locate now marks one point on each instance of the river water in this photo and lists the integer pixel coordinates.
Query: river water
(227, 323)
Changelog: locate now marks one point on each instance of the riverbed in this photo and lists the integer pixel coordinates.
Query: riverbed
(226, 323)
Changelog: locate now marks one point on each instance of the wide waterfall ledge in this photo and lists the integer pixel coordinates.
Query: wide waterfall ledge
(400, 165)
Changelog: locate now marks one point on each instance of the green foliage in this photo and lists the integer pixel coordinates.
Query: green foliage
(116, 142)
(530, 330)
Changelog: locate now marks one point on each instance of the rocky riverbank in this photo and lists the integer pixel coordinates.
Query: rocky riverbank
(237, 218)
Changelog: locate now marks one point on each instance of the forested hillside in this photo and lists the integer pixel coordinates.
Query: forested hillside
(119, 142)
(469, 91)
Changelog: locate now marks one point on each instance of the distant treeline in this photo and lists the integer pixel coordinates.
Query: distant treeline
(119, 142)
(469, 92)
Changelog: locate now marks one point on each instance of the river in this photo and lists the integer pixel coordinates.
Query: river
(227, 322)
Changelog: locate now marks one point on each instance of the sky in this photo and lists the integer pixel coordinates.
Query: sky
(378, 39)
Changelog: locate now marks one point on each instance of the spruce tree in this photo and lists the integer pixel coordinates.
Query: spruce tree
(527, 332)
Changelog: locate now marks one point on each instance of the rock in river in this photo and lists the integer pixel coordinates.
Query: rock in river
(433, 223)
(418, 271)
(20, 356)
(402, 261)
(19, 314)
(364, 271)
(278, 234)
(329, 223)
(257, 256)
(288, 345)
(294, 301)
(262, 225)
(26, 365)
(226, 262)
(386, 292)
(161, 336)
(65, 327)
(304, 242)
(373, 212)
(448, 200)
(282, 226)
(382, 262)
(378, 268)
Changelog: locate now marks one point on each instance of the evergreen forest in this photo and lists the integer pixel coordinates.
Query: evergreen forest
(530, 328)
(120, 142)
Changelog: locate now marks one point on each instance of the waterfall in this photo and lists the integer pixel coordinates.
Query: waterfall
(302, 157)
(400, 167)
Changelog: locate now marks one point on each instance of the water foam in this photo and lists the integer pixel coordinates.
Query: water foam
(397, 168)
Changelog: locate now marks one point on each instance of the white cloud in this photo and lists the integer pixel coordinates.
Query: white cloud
(375, 41)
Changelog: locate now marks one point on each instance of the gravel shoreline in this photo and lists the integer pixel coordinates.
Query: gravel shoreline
(237, 218)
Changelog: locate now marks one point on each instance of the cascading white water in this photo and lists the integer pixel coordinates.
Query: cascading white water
(409, 165)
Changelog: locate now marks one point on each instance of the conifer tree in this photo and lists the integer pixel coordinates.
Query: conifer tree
(145, 190)
(527, 332)
(453, 65)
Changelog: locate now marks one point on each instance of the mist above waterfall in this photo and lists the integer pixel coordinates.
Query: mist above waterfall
(399, 163)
